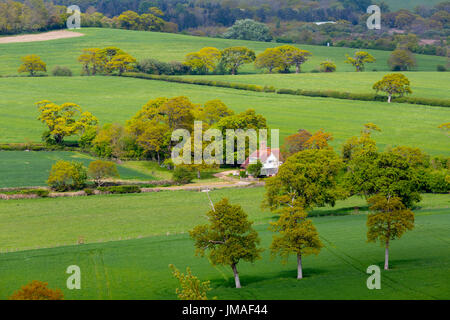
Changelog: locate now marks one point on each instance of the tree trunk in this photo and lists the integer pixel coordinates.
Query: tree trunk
(159, 160)
(297, 69)
(236, 276)
(389, 98)
(299, 266)
(199, 176)
(386, 256)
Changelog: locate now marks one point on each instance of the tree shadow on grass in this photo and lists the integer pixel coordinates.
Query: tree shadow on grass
(338, 212)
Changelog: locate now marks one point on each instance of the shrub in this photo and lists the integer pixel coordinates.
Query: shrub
(243, 174)
(66, 175)
(121, 189)
(99, 170)
(89, 191)
(37, 290)
(59, 71)
(182, 175)
(441, 68)
(254, 169)
(327, 66)
(43, 193)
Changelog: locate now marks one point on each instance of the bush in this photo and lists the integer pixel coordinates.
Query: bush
(121, 189)
(59, 71)
(99, 170)
(441, 68)
(243, 174)
(182, 175)
(37, 290)
(66, 175)
(43, 193)
(255, 169)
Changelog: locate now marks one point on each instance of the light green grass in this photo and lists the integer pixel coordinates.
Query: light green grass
(423, 84)
(28, 169)
(138, 269)
(52, 222)
(114, 99)
(170, 47)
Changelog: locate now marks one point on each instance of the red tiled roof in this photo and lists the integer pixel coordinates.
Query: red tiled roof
(262, 155)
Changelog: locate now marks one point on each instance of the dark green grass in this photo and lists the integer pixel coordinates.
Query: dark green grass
(27, 169)
(114, 99)
(169, 47)
(138, 269)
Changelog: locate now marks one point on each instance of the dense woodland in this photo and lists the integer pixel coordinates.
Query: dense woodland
(425, 29)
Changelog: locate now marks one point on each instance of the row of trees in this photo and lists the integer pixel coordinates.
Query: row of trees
(316, 176)
(107, 60)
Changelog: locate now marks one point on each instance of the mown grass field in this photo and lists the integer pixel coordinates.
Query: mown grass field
(28, 169)
(170, 47)
(138, 269)
(423, 84)
(114, 99)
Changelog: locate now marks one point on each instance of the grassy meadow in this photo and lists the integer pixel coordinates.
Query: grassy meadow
(138, 268)
(423, 84)
(114, 99)
(173, 47)
(29, 169)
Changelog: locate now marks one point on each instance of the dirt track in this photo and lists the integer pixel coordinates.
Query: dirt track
(52, 35)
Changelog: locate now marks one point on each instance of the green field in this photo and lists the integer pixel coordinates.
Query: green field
(114, 99)
(423, 84)
(28, 169)
(138, 269)
(170, 47)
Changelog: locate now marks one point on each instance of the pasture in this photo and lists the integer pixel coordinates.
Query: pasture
(173, 47)
(114, 99)
(423, 84)
(138, 269)
(29, 169)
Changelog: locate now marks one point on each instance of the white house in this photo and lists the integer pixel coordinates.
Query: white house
(270, 159)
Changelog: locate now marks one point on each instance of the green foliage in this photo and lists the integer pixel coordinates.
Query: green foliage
(282, 58)
(306, 179)
(99, 170)
(395, 84)
(232, 58)
(121, 189)
(203, 61)
(401, 60)
(360, 59)
(254, 169)
(191, 287)
(228, 238)
(248, 29)
(327, 66)
(64, 120)
(66, 175)
(296, 235)
(32, 64)
(182, 175)
(59, 71)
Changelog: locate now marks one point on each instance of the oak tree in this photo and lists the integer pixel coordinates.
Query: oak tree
(395, 84)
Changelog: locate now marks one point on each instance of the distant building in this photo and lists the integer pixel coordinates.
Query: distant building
(270, 159)
(324, 22)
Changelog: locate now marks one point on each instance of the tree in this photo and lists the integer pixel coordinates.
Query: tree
(64, 120)
(204, 60)
(401, 60)
(254, 169)
(269, 59)
(395, 84)
(110, 141)
(360, 59)
(327, 66)
(295, 143)
(234, 57)
(248, 29)
(445, 127)
(91, 61)
(389, 221)
(297, 235)
(319, 140)
(99, 170)
(32, 64)
(37, 290)
(306, 179)
(191, 287)
(182, 175)
(215, 110)
(292, 56)
(121, 63)
(156, 138)
(228, 238)
(66, 175)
